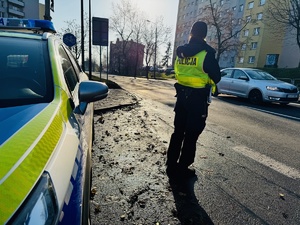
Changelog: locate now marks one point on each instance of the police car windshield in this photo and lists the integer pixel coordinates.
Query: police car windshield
(25, 72)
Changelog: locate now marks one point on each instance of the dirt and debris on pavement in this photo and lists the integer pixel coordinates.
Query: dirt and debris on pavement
(129, 183)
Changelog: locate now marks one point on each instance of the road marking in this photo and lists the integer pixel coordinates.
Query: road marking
(269, 162)
(274, 113)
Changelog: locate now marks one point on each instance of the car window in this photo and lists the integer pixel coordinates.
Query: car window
(73, 60)
(238, 73)
(68, 69)
(226, 73)
(25, 76)
(260, 75)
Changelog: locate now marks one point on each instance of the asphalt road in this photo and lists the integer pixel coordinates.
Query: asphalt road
(248, 156)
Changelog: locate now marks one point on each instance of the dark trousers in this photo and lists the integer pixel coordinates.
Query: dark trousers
(190, 115)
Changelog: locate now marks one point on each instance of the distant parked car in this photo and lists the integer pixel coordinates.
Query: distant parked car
(256, 85)
(169, 70)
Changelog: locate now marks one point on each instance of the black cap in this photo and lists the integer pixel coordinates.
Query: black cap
(199, 29)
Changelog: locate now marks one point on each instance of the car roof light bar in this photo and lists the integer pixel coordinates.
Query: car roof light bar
(28, 24)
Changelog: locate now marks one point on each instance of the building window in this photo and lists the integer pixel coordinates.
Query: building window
(262, 2)
(1, 14)
(241, 59)
(251, 59)
(253, 45)
(248, 19)
(272, 59)
(241, 8)
(246, 33)
(256, 31)
(250, 5)
(259, 16)
(244, 47)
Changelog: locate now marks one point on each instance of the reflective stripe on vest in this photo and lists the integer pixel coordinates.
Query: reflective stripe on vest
(189, 71)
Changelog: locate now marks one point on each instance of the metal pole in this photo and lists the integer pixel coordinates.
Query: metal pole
(82, 37)
(47, 10)
(100, 63)
(107, 63)
(155, 49)
(90, 41)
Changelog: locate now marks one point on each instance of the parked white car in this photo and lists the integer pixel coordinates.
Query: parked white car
(256, 85)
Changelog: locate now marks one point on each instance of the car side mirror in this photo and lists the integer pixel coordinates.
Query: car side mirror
(223, 74)
(90, 91)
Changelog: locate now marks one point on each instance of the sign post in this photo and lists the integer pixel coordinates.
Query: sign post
(100, 36)
(69, 39)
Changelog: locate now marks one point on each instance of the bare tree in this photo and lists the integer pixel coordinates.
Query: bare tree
(74, 28)
(156, 34)
(148, 36)
(286, 13)
(130, 23)
(122, 23)
(138, 30)
(226, 27)
(167, 56)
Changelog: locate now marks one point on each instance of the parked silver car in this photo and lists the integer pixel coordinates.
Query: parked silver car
(256, 85)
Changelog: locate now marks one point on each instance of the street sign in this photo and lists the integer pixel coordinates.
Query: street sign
(69, 39)
(100, 31)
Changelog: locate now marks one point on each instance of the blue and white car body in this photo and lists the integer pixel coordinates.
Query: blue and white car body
(46, 127)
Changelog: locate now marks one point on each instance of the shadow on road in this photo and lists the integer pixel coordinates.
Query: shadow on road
(189, 212)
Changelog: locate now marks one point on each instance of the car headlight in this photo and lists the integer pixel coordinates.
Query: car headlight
(272, 88)
(41, 205)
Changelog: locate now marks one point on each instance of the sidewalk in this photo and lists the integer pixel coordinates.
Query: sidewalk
(129, 183)
(116, 98)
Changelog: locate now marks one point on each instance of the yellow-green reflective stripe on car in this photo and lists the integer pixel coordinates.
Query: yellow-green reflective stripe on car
(15, 187)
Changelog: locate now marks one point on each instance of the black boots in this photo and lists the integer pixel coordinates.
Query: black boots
(178, 172)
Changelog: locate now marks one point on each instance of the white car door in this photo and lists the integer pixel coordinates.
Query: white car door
(239, 83)
(226, 79)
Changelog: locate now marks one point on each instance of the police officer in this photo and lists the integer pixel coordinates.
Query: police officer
(197, 73)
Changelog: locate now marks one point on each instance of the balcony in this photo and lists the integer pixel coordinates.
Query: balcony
(17, 3)
(16, 13)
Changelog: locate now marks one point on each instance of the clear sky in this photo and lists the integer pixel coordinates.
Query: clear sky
(67, 10)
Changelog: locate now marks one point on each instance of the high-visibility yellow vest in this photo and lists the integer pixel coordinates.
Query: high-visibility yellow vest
(189, 71)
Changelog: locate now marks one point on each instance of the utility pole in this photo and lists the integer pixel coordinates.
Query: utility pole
(90, 40)
(47, 10)
(155, 47)
(82, 37)
(155, 50)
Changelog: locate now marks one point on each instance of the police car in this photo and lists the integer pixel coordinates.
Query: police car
(46, 127)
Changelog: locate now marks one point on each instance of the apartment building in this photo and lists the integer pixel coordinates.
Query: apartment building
(19, 9)
(257, 43)
(261, 47)
(129, 63)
